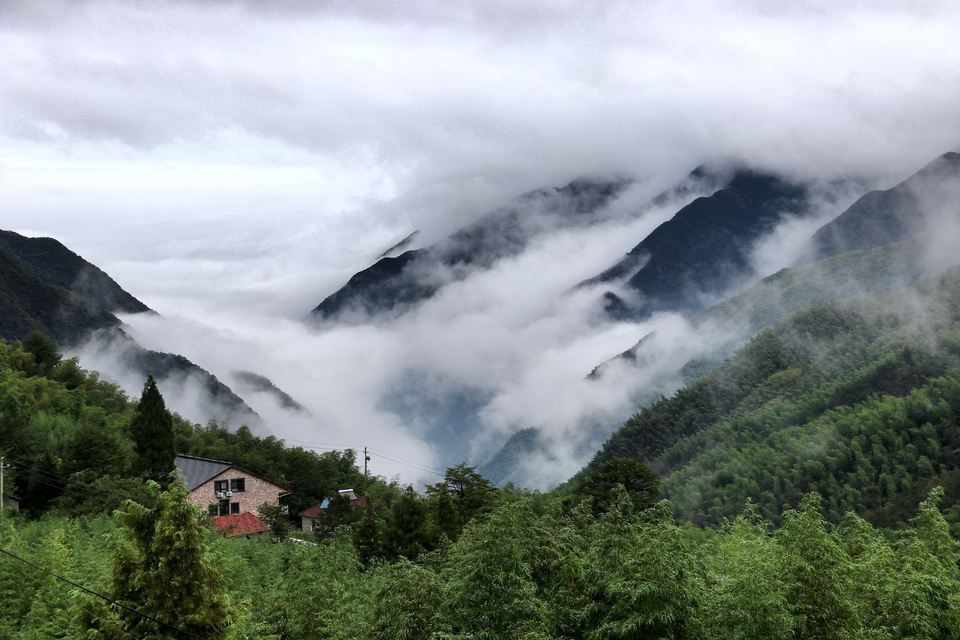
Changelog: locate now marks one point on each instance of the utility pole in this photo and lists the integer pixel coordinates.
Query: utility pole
(366, 459)
(3, 465)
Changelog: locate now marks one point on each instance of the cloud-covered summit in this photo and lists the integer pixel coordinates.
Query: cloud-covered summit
(230, 163)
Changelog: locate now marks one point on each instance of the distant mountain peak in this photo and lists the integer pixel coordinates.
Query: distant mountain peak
(400, 246)
(402, 277)
(703, 249)
(880, 218)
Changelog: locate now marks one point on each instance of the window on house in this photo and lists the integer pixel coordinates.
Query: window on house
(221, 485)
(234, 507)
(213, 510)
(238, 484)
(223, 507)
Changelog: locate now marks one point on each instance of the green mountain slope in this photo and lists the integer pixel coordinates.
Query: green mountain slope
(46, 287)
(859, 401)
(54, 263)
(28, 304)
(733, 322)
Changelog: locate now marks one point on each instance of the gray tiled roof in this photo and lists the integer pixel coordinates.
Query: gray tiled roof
(196, 471)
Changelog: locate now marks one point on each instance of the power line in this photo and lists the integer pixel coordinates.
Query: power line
(97, 594)
(34, 472)
(412, 465)
(307, 445)
(339, 446)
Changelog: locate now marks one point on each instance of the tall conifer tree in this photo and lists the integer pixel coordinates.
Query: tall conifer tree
(152, 429)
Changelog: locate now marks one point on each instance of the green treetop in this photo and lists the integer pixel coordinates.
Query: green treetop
(152, 429)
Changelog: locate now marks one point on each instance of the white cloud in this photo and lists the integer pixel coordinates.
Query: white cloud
(232, 163)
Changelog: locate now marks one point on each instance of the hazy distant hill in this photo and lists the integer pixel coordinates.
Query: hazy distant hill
(173, 372)
(882, 217)
(37, 292)
(250, 382)
(859, 401)
(55, 264)
(774, 298)
(398, 280)
(703, 250)
(48, 288)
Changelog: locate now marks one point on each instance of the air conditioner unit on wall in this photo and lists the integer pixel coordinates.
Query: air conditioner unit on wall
(229, 493)
(219, 494)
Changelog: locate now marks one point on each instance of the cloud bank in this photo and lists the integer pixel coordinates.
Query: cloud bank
(232, 163)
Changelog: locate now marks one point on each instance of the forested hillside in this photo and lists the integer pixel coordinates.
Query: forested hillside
(605, 560)
(46, 287)
(857, 401)
(524, 569)
(66, 430)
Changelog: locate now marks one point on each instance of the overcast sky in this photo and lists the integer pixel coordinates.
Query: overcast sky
(235, 160)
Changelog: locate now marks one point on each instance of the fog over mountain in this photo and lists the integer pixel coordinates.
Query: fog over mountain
(234, 164)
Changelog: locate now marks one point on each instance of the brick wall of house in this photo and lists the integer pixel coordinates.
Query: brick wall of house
(256, 493)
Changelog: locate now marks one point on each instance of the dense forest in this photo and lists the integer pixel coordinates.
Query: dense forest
(857, 401)
(810, 481)
(523, 568)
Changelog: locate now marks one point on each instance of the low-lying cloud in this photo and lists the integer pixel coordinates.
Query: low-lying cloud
(232, 163)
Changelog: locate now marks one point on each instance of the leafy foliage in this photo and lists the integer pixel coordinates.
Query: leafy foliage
(523, 569)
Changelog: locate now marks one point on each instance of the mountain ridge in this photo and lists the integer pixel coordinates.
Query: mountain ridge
(46, 287)
(394, 282)
(703, 249)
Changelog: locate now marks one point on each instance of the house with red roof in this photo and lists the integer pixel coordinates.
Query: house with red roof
(231, 495)
(309, 517)
(240, 524)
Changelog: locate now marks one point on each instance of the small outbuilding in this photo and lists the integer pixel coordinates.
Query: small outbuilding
(309, 517)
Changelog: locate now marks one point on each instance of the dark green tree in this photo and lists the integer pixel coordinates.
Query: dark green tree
(461, 495)
(407, 532)
(275, 518)
(44, 352)
(745, 596)
(339, 512)
(163, 569)
(490, 591)
(641, 576)
(926, 604)
(641, 484)
(368, 537)
(152, 429)
(406, 603)
(817, 572)
(50, 615)
(99, 448)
